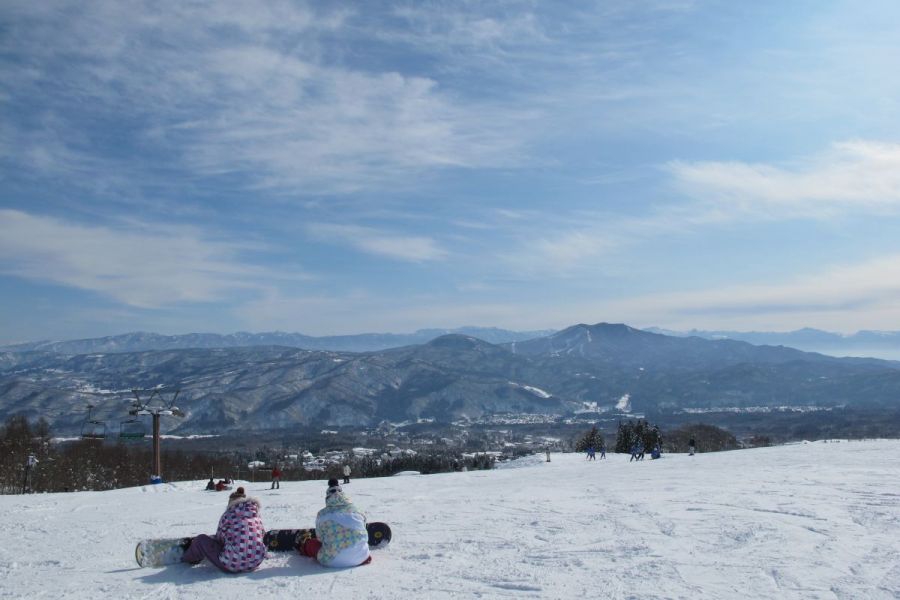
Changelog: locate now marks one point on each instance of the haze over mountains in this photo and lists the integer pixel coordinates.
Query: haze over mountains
(875, 344)
(603, 368)
(364, 342)
(878, 344)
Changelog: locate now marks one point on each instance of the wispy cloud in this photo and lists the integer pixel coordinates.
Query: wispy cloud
(856, 176)
(845, 297)
(408, 248)
(360, 311)
(135, 265)
(564, 253)
(275, 102)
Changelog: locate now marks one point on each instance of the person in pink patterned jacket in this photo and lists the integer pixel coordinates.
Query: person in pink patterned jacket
(238, 544)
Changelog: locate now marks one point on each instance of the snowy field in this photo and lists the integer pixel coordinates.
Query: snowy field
(817, 520)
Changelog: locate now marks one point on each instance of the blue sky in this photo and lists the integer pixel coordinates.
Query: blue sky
(334, 168)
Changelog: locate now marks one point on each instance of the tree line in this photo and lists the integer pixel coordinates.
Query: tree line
(94, 465)
(708, 438)
(87, 464)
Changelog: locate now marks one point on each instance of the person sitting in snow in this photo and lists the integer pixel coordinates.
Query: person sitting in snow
(341, 537)
(238, 544)
(211, 485)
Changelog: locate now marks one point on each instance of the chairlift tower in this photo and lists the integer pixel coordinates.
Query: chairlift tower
(139, 407)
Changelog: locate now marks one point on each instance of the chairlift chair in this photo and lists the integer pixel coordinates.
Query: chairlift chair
(93, 429)
(132, 429)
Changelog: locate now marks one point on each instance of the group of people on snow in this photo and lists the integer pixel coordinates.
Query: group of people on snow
(592, 453)
(218, 486)
(237, 547)
(637, 451)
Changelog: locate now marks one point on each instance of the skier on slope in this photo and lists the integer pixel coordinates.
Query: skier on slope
(30, 464)
(276, 478)
(238, 544)
(341, 537)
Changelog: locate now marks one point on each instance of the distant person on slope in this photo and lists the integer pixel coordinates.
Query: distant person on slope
(238, 544)
(341, 537)
(211, 485)
(346, 473)
(276, 478)
(602, 451)
(692, 446)
(634, 452)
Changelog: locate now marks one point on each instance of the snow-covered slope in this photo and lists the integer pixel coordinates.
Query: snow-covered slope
(817, 520)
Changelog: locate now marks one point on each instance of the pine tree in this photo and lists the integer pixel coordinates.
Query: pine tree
(625, 437)
(591, 438)
(631, 433)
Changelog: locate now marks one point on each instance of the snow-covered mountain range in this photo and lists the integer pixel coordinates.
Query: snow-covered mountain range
(363, 342)
(452, 377)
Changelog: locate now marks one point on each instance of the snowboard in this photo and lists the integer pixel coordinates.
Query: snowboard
(160, 552)
(285, 540)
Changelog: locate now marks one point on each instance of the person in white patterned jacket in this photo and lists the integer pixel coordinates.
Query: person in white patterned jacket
(341, 537)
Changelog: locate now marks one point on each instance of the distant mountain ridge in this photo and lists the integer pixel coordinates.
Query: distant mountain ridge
(450, 378)
(879, 344)
(364, 342)
(624, 345)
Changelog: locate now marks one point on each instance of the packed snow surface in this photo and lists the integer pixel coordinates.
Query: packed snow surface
(816, 520)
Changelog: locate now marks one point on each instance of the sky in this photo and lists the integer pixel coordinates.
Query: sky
(335, 168)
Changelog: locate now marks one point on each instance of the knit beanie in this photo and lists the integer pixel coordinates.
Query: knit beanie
(238, 493)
